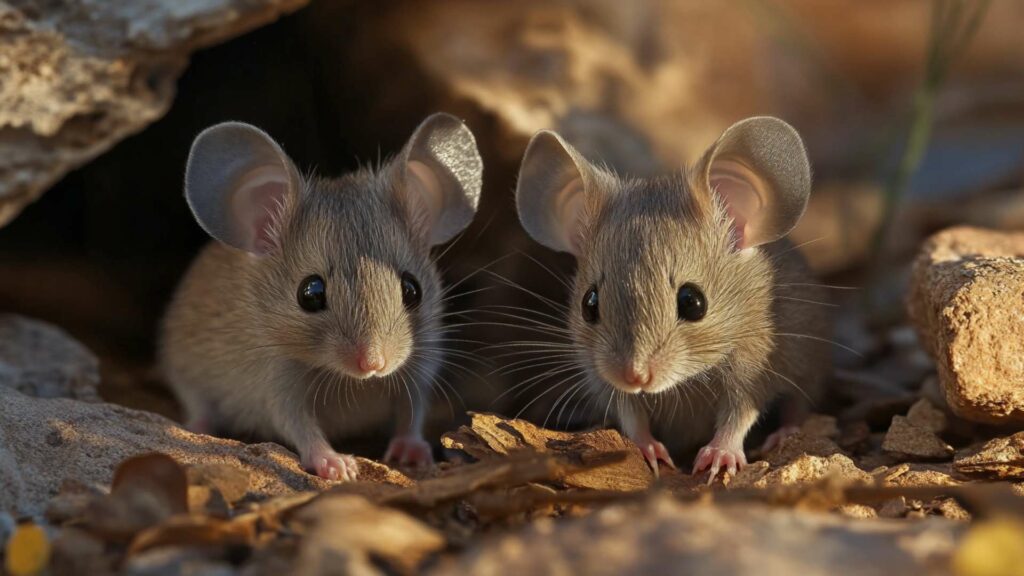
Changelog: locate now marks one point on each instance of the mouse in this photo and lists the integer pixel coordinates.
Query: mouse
(316, 313)
(690, 312)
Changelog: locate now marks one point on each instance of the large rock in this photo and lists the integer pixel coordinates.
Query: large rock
(49, 435)
(80, 76)
(967, 302)
(41, 360)
(46, 441)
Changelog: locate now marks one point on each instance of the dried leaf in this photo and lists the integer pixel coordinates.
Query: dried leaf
(146, 490)
(353, 530)
(490, 436)
(516, 469)
(231, 481)
(190, 531)
(27, 551)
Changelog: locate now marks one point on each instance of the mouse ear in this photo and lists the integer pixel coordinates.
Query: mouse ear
(238, 183)
(551, 192)
(759, 169)
(442, 173)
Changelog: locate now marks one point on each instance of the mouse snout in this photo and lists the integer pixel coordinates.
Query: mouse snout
(365, 360)
(637, 374)
(370, 360)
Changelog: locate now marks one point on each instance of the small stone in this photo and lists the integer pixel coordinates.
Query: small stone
(894, 508)
(800, 444)
(920, 475)
(949, 508)
(41, 360)
(999, 458)
(749, 475)
(965, 301)
(911, 441)
(820, 425)
(924, 415)
(859, 511)
(808, 469)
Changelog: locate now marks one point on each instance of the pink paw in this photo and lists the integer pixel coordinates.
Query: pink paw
(717, 458)
(409, 451)
(654, 451)
(776, 438)
(330, 465)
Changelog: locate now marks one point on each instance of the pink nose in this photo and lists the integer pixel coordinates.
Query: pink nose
(371, 361)
(637, 376)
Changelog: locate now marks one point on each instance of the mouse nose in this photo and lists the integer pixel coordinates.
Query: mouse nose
(370, 360)
(637, 375)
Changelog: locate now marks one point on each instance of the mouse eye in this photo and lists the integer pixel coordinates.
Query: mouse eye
(411, 292)
(690, 303)
(312, 294)
(590, 309)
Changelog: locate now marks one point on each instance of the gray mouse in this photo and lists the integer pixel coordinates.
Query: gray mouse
(690, 311)
(317, 312)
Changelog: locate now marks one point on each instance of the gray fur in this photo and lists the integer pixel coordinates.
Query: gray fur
(639, 241)
(239, 351)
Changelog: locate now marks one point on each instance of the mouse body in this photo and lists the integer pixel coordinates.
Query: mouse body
(317, 311)
(690, 312)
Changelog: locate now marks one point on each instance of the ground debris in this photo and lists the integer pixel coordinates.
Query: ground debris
(490, 436)
(1001, 458)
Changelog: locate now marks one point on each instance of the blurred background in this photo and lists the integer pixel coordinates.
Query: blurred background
(912, 111)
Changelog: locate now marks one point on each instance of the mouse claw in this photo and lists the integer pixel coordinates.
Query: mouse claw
(778, 437)
(411, 451)
(330, 465)
(654, 452)
(715, 458)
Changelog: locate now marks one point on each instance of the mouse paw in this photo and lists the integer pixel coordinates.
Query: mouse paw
(716, 458)
(776, 438)
(330, 465)
(409, 451)
(654, 451)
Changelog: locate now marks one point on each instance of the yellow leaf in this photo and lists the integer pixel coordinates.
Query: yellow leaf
(28, 551)
(993, 548)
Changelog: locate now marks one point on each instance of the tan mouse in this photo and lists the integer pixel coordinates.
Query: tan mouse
(317, 312)
(690, 313)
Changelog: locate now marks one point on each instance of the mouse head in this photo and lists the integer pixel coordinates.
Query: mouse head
(338, 273)
(670, 283)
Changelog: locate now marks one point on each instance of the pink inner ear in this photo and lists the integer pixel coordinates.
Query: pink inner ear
(735, 184)
(258, 207)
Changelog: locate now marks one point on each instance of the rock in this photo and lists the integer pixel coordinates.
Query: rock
(41, 360)
(918, 475)
(803, 469)
(81, 76)
(1001, 458)
(800, 444)
(820, 425)
(924, 415)
(911, 441)
(44, 441)
(965, 301)
(662, 535)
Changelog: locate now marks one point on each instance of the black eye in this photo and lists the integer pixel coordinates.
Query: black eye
(590, 309)
(312, 294)
(690, 303)
(411, 292)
